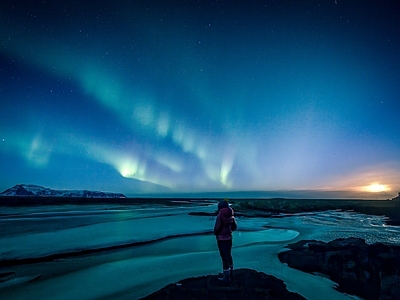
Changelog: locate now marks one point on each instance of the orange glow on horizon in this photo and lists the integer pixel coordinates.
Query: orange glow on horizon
(376, 188)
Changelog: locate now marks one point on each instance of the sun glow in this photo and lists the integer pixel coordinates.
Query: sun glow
(376, 188)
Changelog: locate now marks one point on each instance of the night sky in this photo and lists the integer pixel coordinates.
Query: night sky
(144, 97)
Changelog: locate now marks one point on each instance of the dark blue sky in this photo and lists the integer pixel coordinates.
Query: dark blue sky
(198, 96)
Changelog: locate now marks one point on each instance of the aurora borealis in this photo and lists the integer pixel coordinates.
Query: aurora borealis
(144, 97)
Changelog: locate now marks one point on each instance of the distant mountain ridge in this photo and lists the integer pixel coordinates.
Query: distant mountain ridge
(30, 190)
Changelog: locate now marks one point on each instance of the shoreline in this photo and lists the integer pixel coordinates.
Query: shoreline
(268, 207)
(84, 252)
(119, 264)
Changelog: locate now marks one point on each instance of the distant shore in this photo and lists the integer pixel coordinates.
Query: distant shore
(389, 208)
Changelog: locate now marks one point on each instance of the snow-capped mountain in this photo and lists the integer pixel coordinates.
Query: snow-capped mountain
(26, 190)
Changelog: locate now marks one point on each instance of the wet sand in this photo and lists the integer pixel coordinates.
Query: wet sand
(134, 273)
(138, 270)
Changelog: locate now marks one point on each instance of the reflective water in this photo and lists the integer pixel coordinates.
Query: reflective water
(187, 248)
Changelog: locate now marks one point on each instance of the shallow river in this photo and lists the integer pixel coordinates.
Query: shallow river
(185, 248)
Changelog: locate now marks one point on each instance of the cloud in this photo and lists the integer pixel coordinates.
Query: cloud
(386, 174)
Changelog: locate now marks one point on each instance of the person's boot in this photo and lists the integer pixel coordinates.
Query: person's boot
(231, 272)
(226, 279)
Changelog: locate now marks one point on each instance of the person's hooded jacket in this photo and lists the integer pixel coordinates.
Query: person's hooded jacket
(225, 224)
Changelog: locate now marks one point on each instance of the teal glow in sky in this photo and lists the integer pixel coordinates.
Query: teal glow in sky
(143, 97)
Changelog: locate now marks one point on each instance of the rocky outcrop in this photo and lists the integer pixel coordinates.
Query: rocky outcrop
(370, 271)
(397, 199)
(247, 284)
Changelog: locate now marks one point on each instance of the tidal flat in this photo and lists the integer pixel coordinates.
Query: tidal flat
(127, 251)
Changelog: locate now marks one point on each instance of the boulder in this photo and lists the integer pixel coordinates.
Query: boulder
(247, 284)
(369, 271)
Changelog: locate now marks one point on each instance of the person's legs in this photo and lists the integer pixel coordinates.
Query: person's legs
(230, 259)
(229, 255)
(224, 248)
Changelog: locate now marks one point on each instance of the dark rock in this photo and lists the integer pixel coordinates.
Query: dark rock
(369, 271)
(390, 287)
(247, 284)
(202, 214)
(347, 244)
(248, 214)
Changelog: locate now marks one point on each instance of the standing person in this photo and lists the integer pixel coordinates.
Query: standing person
(224, 225)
